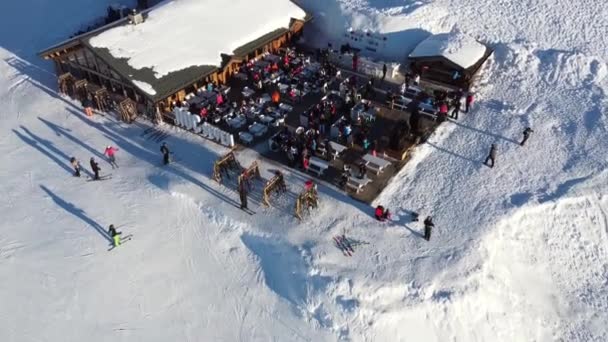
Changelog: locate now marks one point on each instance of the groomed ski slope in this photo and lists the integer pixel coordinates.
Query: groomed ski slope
(519, 252)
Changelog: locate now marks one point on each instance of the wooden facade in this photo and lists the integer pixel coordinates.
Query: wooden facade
(76, 60)
(443, 73)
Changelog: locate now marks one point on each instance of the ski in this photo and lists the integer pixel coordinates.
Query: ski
(146, 131)
(100, 178)
(122, 240)
(347, 244)
(341, 246)
(161, 137)
(250, 212)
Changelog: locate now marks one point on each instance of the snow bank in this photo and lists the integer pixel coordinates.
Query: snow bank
(145, 87)
(180, 34)
(456, 46)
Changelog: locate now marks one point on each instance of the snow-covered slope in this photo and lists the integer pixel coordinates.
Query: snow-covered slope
(518, 254)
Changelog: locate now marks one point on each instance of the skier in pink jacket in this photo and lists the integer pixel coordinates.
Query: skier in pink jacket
(111, 153)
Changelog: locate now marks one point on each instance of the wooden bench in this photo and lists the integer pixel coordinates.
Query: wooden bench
(357, 184)
(317, 166)
(337, 148)
(375, 164)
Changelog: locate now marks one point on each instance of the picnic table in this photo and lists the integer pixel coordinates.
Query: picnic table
(237, 122)
(264, 98)
(247, 92)
(357, 184)
(285, 107)
(257, 129)
(266, 119)
(317, 166)
(245, 138)
(359, 111)
(337, 148)
(375, 164)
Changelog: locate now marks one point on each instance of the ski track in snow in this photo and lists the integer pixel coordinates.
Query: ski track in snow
(518, 254)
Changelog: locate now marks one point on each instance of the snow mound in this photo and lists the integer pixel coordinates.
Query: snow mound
(180, 34)
(456, 46)
(145, 87)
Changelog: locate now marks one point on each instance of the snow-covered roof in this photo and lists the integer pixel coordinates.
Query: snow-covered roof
(178, 34)
(456, 46)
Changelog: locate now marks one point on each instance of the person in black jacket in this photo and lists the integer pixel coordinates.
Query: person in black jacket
(456, 104)
(165, 151)
(95, 167)
(491, 156)
(527, 132)
(243, 195)
(115, 235)
(384, 70)
(76, 166)
(428, 227)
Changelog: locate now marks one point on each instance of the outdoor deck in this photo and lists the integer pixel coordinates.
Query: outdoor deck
(380, 131)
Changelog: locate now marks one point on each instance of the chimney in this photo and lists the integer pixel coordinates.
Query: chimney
(136, 18)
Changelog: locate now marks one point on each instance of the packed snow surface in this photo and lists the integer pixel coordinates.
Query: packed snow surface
(519, 252)
(456, 46)
(181, 33)
(145, 87)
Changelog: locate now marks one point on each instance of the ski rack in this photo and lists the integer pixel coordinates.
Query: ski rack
(253, 171)
(276, 183)
(306, 200)
(223, 164)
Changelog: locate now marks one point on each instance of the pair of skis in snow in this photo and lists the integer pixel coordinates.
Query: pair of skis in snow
(346, 245)
(123, 239)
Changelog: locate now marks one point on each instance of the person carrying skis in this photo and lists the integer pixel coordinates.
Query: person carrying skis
(95, 168)
(115, 235)
(468, 102)
(165, 151)
(76, 165)
(527, 133)
(491, 156)
(110, 152)
(428, 227)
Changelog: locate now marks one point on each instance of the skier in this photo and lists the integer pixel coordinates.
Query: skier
(95, 167)
(111, 153)
(456, 104)
(527, 132)
(76, 165)
(243, 195)
(165, 151)
(384, 70)
(491, 156)
(428, 227)
(114, 235)
(468, 102)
